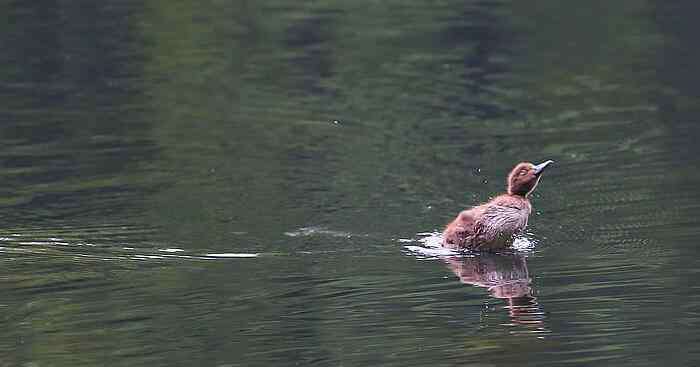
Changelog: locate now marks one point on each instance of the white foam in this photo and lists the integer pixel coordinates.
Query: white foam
(523, 244)
(431, 245)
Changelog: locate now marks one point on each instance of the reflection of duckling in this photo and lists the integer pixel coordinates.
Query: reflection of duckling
(493, 225)
(506, 277)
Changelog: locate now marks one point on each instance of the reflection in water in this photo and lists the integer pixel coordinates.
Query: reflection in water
(175, 191)
(506, 277)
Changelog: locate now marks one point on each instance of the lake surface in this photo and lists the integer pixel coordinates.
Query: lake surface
(259, 183)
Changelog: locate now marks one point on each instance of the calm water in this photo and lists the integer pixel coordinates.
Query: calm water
(258, 183)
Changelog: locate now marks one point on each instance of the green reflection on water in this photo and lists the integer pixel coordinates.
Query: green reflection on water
(225, 127)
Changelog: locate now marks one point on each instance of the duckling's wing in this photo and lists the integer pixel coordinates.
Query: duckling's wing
(499, 223)
(460, 231)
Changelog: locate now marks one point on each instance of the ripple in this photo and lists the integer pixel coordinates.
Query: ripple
(316, 231)
(231, 255)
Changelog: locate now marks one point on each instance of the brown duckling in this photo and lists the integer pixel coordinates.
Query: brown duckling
(494, 225)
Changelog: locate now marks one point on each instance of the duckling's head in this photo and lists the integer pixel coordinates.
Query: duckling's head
(523, 179)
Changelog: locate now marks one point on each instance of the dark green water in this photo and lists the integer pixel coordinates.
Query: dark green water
(241, 183)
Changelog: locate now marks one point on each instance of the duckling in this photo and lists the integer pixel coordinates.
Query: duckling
(494, 225)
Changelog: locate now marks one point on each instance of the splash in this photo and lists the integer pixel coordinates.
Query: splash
(430, 245)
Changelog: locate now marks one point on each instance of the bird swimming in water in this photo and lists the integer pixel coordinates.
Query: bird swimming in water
(494, 225)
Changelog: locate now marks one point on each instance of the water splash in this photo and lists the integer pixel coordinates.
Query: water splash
(430, 244)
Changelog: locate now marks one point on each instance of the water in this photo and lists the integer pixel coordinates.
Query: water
(260, 183)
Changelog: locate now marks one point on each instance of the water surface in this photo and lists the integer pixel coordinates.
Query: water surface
(257, 183)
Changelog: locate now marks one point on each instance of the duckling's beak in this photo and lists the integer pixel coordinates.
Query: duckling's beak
(540, 167)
